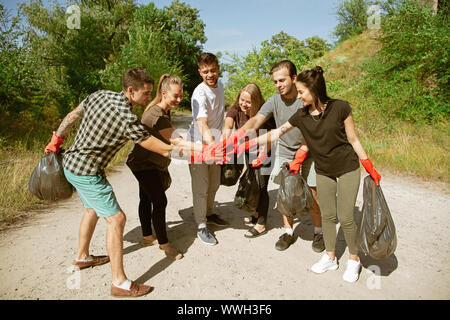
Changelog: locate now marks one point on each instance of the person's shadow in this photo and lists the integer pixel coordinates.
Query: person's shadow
(181, 235)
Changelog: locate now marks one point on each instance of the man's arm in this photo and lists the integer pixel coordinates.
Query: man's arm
(254, 122)
(69, 120)
(64, 128)
(202, 124)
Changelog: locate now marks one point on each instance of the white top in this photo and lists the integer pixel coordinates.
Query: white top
(207, 103)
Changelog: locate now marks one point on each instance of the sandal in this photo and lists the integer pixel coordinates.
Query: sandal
(254, 233)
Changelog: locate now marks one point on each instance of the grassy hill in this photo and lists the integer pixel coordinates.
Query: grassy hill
(400, 146)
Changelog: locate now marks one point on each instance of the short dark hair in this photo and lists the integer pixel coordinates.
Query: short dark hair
(207, 58)
(285, 64)
(136, 77)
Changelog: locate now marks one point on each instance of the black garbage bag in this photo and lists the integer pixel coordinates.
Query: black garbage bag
(294, 196)
(230, 173)
(247, 194)
(48, 181)
(376, 231)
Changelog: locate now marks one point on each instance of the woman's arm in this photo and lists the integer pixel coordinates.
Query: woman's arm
(274, 134)
(353, 138)
(228, 127)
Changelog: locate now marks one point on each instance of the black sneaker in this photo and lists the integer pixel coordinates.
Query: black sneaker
(318, 245)
(284, 242)
(215, 219)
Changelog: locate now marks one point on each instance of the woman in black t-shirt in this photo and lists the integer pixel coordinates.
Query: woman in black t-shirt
(247, 104)
(329, 136)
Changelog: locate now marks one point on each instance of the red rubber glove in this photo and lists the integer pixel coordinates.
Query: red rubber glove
(258, 162)
(209, 153)
(230, 144)
(367, 164)
(294, 165)
(249, 144)
(54, 144)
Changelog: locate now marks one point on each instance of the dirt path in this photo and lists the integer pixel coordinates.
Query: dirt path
(36, 256)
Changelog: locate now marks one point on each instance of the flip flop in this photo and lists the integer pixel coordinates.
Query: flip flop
(255, 233)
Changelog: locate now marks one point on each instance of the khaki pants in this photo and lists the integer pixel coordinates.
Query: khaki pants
(337, 196)
(205, 181)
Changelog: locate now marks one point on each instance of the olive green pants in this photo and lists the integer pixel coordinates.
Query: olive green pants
(337, 196)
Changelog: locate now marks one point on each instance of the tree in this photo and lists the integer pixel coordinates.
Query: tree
(75, 57)
(162, 41)
(256, 65)
(20, 74)
(352, 18)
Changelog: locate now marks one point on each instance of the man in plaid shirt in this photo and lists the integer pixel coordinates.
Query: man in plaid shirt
(107, 123)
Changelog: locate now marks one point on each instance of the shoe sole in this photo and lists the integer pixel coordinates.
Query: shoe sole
(207, 243)
(120, 296)
(255, 236)
(333, 268)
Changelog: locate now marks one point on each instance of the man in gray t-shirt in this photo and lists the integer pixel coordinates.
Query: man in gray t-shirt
(281, 107)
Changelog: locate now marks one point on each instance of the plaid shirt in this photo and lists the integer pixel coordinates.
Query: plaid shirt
(107, 125)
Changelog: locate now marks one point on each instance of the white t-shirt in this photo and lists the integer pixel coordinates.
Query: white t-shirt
(207, 103)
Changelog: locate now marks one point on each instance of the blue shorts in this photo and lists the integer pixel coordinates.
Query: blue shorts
(95, 193)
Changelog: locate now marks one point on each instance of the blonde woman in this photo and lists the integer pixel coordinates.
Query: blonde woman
(247, 104)
(149, 167)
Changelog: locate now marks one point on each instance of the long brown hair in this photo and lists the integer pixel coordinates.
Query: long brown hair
(256, 98)
(315, 82)
(164, 84)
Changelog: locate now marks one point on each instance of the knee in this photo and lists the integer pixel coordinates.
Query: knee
(118, 220)
(328, 218)
(347, 223)
(160, 205)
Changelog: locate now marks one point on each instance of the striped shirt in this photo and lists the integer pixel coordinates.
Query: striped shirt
(107, 125)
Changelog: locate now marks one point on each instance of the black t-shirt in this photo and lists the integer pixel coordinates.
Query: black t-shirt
(140, 158)
(326, 138)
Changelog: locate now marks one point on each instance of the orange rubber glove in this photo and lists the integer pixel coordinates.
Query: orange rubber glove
(300, 156)
(367, 164)
(54, 144)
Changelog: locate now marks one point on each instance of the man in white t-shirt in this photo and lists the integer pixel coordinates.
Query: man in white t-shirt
(208, 108)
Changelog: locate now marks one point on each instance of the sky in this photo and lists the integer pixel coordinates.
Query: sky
(236, 26)
(239, 25)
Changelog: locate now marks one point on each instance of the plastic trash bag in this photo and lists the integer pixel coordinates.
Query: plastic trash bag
(247, 194)
(294, 196)
(48, 182)
(230, 174)
(376, 231)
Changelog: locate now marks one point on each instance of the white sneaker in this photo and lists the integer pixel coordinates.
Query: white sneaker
(351, 274)
(325, 264)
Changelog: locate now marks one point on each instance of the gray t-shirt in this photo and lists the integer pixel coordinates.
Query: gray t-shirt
(282, 110)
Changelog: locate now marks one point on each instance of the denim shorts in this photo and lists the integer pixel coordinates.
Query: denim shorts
(95, 193)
